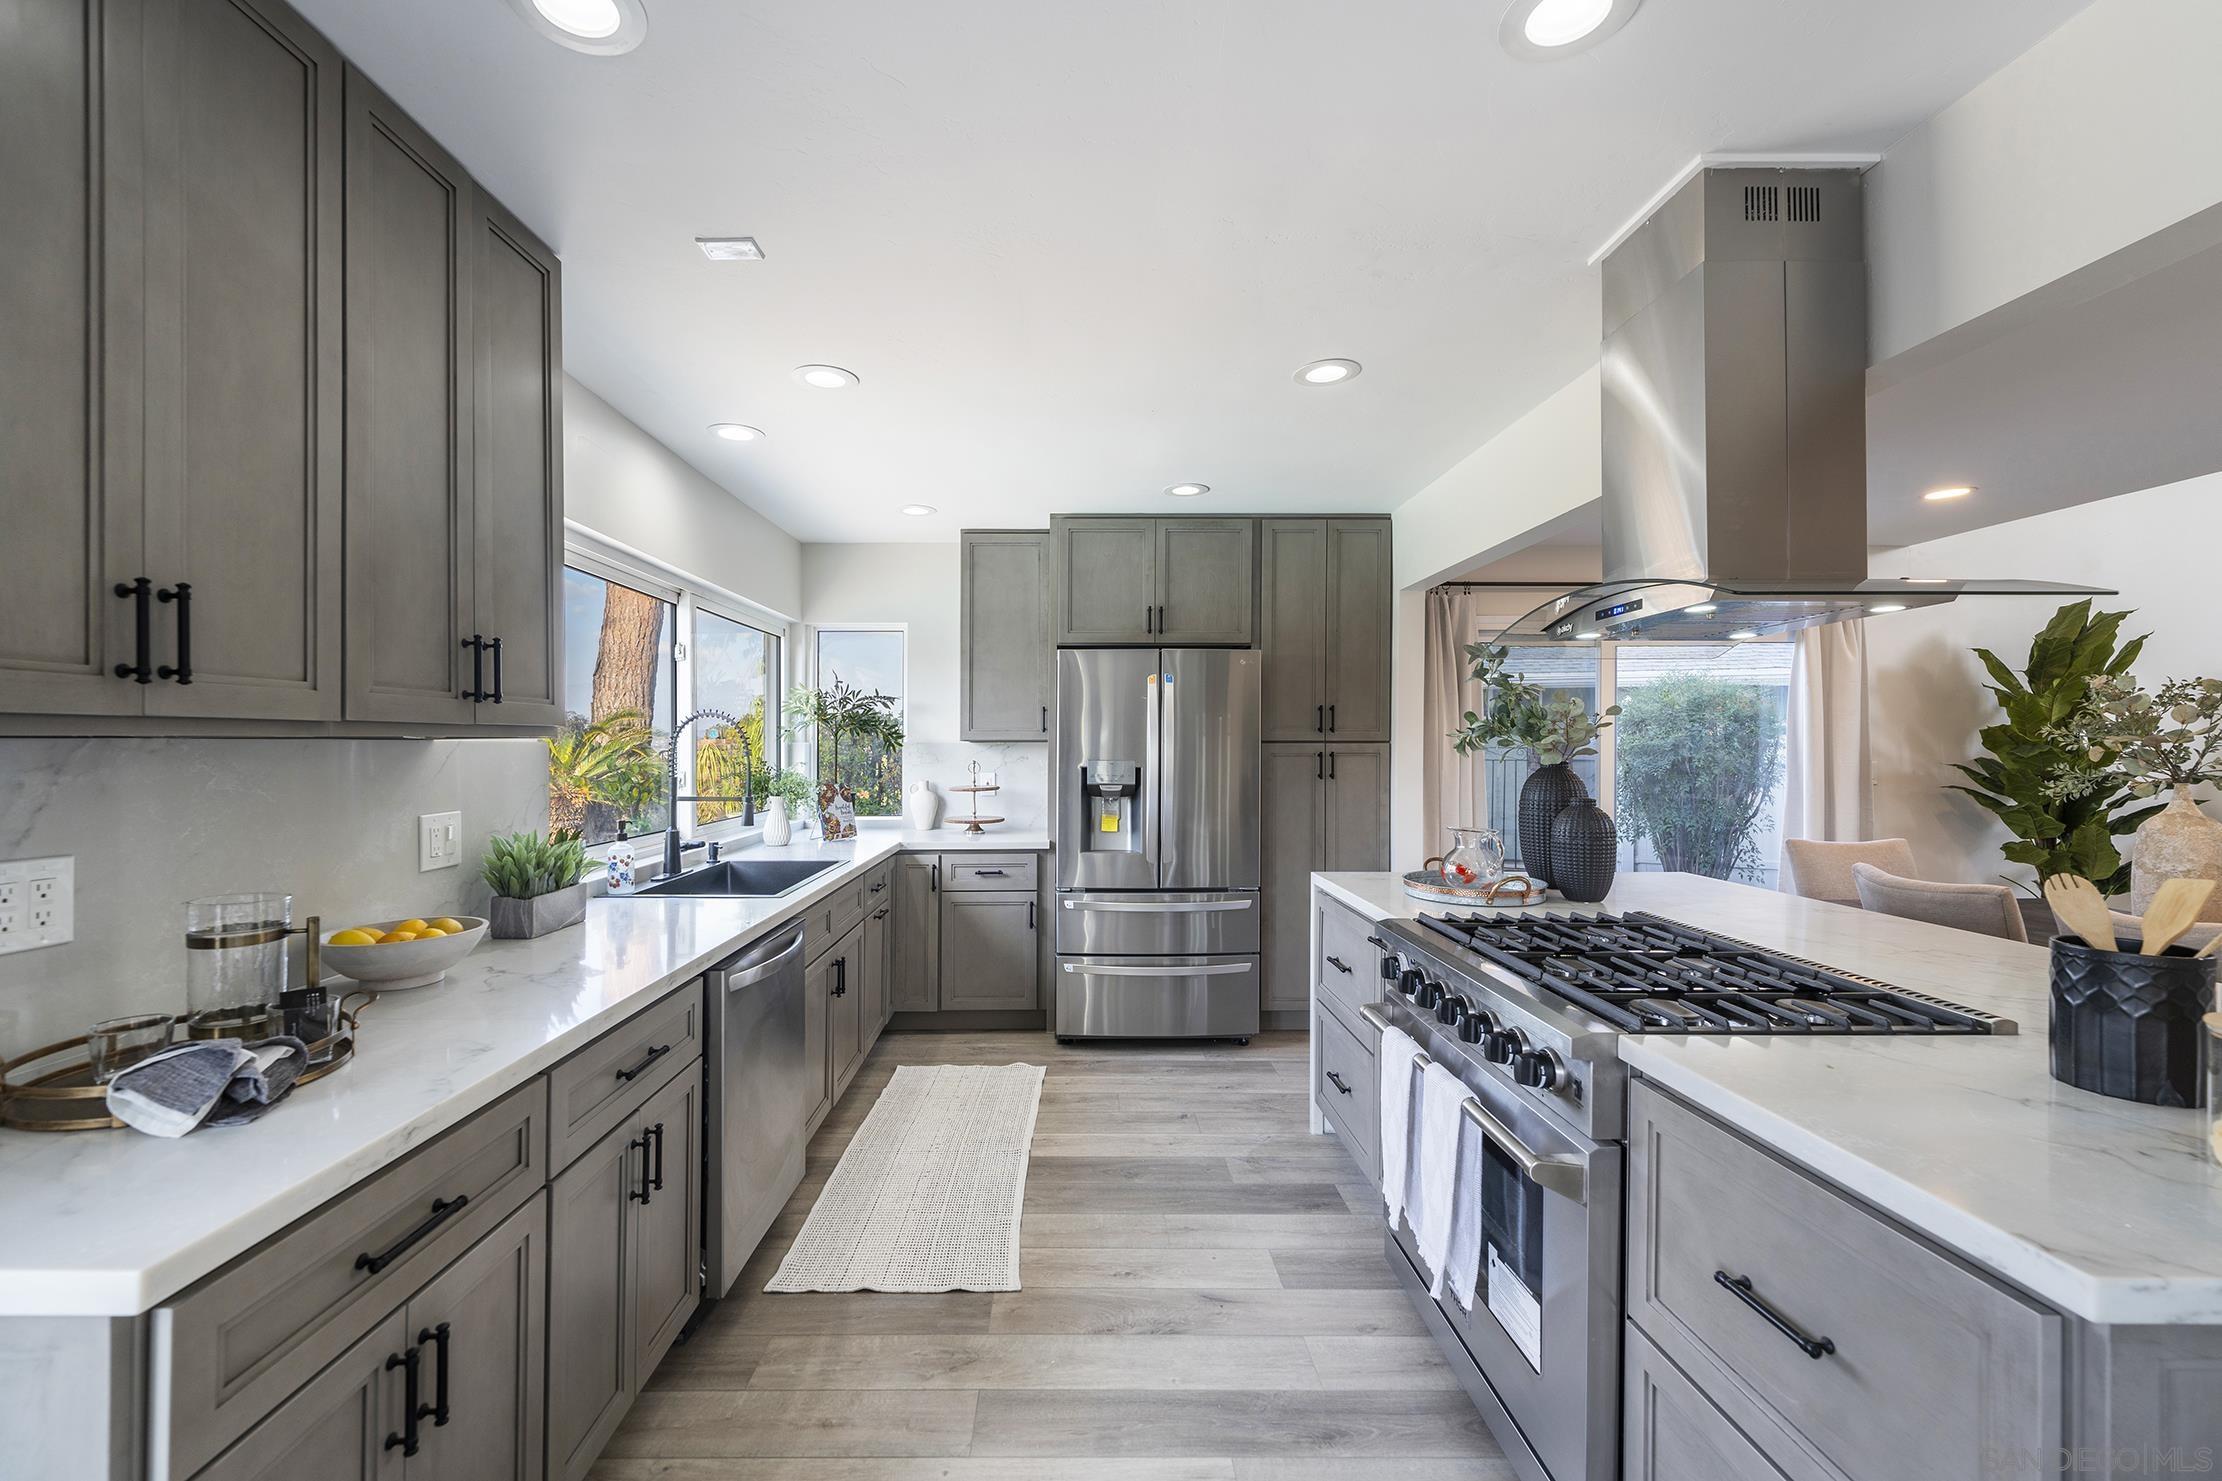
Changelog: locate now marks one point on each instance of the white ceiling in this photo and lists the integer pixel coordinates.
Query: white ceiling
(1076, 252)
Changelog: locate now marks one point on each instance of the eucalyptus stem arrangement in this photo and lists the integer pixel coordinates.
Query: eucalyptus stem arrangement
(1515, 713)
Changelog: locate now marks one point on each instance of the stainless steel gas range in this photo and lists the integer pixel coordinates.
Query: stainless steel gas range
(1528, 1011)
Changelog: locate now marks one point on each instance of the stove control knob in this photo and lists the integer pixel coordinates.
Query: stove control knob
(1390, 965)
(1408, 981)
(1450, 1008)
(1504, 1046)
(1432, 994)
(1538, 1069)
(1477, 1026)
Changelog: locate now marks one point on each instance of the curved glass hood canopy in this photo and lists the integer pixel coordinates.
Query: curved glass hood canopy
(1708, 612)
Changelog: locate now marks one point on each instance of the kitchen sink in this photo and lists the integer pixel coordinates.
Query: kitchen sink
(754, 877)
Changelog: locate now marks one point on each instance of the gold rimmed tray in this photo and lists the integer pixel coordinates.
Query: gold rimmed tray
(51, 1088)
(1507, 890)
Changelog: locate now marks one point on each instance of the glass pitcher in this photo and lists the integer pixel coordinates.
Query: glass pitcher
(1476, 858)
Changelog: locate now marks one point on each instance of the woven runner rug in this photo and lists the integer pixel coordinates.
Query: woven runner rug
(928, 1195)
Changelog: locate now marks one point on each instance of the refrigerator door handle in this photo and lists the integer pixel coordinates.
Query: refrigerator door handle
(1154, 785)
(1167, 907)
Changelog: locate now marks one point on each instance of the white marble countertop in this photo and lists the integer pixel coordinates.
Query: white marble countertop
(2106, 1209)
(113, 1223)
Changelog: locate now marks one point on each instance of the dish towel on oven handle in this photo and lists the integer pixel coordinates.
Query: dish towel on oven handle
(1434, 1171)
(1394, 1056)
(1461, 1267)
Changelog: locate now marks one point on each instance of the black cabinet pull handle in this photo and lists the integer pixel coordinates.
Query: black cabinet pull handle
(1045, 719)
(1330, 766)
(989, 873)
(1149, 619)
(411, 1410)
(1739, 1286)
(840, 976)
(436, 1411)
(1161, 622)
(1330, 719)
(937, 878)
(1339, 965)
(477, 691)
(657, 1131)
(1338, 1082)
(1377, 943)
(443, 1209)
(1029, 915)
(626, 1077)
(142, 618)
(640, 1194)
(495, 644)
(1319, 718)
(182, 594)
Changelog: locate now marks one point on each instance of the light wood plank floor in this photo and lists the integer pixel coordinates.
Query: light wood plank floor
(1204, 1300)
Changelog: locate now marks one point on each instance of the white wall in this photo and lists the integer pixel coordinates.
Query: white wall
(2098, 136)
(919, 588)
(632, 490)
(2161, 548)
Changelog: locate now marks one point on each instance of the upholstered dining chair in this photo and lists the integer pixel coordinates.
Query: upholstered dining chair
(1987, 909)
(1823, 871)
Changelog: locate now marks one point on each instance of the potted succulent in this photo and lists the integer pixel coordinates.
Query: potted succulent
(536, 883)
(1556, 731)
(2168, 739)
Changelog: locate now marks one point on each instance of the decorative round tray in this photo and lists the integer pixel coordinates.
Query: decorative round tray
(1505, 890)
(973, 823)
(51, 1089)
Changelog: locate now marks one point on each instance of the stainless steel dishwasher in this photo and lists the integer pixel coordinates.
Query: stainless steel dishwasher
(753, 1144)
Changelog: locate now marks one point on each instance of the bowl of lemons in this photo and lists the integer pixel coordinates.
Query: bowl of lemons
(416, 952)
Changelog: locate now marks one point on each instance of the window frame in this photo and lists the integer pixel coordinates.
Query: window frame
(901, 630)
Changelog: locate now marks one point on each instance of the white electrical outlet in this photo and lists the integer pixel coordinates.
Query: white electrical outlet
(38, 903)
(439, 840)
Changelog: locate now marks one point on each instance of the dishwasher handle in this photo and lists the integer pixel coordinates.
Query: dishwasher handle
(761, 962)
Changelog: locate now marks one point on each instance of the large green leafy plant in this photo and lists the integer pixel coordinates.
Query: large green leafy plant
(606, 764)
(2044, 740)
(1515, 714)
(524, 865)
(1698, 759)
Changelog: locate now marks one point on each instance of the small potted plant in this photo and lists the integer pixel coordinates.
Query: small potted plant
(1555, 731)
(536, 883)
(2166, 739)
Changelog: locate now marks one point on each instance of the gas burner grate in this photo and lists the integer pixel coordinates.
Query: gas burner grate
(1645, 974)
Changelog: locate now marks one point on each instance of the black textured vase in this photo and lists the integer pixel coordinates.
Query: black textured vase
(2127, 1025)
(1543, 796)
(1584, 850)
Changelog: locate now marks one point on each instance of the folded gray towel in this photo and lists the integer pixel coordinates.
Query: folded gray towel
(220, 1081)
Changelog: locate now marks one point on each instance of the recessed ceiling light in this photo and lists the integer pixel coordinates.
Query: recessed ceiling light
(1743, 637)
(919, 511)
(1956, 491)
(1704, 607)
(1543, 30)
(597, 27)
(1188, 490)
(1888, 607)
(825, 377)
(730, 249)
(1328, 372)
(735, 432)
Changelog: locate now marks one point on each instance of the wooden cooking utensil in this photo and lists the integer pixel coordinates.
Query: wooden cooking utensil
(2082, 909)
(2208, 949)
(2175, 909)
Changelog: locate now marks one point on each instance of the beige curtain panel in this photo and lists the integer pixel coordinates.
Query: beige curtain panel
(1826, 792)
(1451, 788)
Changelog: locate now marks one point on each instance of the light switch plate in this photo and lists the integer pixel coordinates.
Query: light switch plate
(38, 903)
(439, 840)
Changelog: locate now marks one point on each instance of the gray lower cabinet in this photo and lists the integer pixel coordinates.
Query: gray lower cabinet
(1347, 1090)
(1671, 1432)
(990, 950)
(1323, 809)
(915, 986)
(624, 1254)
(335, 1427)
(819, 980)
(876, 966)
(1325, 615)
(843, 971)
(1005, 676)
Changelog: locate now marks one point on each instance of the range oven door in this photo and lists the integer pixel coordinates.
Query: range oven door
(1544, 1333)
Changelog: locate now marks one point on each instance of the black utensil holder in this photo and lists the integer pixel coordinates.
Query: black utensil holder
(2127, 1025)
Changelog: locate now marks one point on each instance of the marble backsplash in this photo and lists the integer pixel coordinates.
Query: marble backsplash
(153, 823)
(1021, 769)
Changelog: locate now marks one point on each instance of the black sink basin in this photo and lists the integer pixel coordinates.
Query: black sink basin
(754, 877)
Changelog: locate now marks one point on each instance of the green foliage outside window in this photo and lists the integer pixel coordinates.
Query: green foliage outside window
(1698, 759)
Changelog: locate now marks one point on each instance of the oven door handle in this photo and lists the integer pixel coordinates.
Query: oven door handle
(1565, 1176)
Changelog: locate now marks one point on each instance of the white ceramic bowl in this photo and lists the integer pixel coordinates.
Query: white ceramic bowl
(399, 964)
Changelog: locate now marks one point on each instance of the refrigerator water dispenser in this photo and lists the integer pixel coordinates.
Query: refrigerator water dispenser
(1113, 790)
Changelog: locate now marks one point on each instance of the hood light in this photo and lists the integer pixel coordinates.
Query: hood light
(1702, 608)
(1888, 607)
(1746, 636)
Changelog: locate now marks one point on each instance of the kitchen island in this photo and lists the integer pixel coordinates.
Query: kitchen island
(2106, 1212)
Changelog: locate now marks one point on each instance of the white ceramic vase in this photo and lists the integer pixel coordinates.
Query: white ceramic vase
(2178, 842)
(777, 828)
(922, 807)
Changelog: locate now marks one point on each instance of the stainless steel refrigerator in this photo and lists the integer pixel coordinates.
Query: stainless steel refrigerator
(1157, 789)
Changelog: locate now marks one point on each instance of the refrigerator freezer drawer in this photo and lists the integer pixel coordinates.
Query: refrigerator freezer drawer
(1185, 923)
(1165, 998)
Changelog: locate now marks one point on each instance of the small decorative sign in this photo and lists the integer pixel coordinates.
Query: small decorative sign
(836, 811)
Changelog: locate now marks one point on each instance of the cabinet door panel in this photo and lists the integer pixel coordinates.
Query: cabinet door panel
(1359, 612)
(335, 1427)
(667, 1244)
(409, 425)
(1673, 1433)
(1357, 809)
(1005, 667)
(1207, 580)
(1292, 837)
(817, 1030)
(243, 366)
(590, 1381)
(493, 1303)
(1295, 629)
(989, 951)
(915, 986)
(69, 357)
(845, 1011)
(879, 970)
(517, 310)
(1106, 581)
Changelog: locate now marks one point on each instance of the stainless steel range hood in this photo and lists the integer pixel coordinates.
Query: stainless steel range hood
(1735, 428)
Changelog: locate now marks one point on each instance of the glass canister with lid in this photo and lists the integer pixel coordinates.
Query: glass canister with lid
(235, 964)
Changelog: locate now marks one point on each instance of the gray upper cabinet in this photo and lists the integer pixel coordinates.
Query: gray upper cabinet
(989, 949)
(1326, 600)
(1207, 581)
(1005, 679)
(241, 480)
(410, 520)
(1156, 580)
(1106, 580)
(69, 376)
